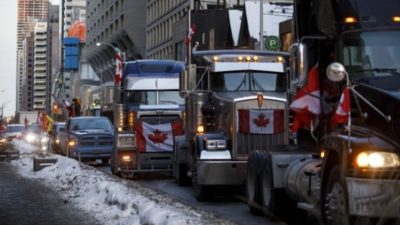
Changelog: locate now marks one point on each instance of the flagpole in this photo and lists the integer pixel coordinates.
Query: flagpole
(190, 40)
(261, 25)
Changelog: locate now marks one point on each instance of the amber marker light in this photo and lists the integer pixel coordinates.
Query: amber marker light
(215, 58)
(200, 129)
(350, 19)
(322, 154)
(260, 99)
(396, 19)
(240, 58)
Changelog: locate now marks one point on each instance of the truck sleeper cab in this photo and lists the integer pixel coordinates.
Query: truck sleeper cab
(148, 117)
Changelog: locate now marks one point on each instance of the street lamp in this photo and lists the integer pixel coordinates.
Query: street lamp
(116, 49)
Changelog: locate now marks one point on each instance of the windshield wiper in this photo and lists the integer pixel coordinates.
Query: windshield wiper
(256, 84)
(243, 82)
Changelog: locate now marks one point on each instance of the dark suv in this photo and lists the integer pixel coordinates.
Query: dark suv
(87, 138)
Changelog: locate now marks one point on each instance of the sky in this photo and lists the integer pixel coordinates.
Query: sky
(8, 47)
(109, 199)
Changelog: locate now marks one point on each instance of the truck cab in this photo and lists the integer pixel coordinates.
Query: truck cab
(235, 102)
(147, 117)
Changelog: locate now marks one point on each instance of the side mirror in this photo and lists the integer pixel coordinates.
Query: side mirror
(298, 65)
(336, 72)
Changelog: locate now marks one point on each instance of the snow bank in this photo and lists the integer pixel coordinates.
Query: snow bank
(111, 200)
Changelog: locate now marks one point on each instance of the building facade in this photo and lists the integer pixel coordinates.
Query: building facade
(40, 70)
(115, 24)
(28, 13)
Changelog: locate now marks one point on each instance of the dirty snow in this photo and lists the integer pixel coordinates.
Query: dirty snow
(109, 199)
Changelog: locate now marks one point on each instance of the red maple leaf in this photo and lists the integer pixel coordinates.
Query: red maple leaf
(158, 137)
(261, 121)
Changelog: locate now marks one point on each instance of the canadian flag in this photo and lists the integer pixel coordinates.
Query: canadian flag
(118, 68)
(342, 112)
(191, 31)
(306, 104)
(40, 117)
(261, 121)
(157, 138)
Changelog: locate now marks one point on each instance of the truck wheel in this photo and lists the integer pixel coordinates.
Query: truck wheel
(200, 191)
(181, 176)
(336, 207)
(112, 166)
(255, 166)
(269, 195)
(180, 169)
(275, 201)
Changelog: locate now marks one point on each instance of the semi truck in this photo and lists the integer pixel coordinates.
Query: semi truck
(342, 166)
(27, 117)
(147, 116)
(225, 91)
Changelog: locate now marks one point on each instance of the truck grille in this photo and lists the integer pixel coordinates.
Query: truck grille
(156, 119)
(247, 142)
(101, 140)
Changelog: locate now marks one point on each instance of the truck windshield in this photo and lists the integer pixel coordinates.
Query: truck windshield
(371, 55)
(164, 97)
(247, 81)
(91, 123)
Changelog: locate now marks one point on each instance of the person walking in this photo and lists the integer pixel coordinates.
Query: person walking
(76, 107)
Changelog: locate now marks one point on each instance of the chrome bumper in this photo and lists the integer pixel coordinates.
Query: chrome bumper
(221, 172)
(374, 197)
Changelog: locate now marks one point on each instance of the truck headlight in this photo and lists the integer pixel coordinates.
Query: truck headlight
(126, 140)
(377, 160)
(126, 158)
(215, 144)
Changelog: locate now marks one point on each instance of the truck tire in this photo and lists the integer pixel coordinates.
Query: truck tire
(336, 207)
(269, 195)
(274, 201)
(112, 166)
(255, 166)
(201, 192)
(181, 176)
(180, 169)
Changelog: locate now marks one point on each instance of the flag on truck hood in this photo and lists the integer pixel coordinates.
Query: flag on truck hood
(157, 138)
(342, 112)
(261, 121)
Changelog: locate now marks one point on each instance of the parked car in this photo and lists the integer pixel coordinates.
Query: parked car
(32, 133)
(87, 138)
(54, 136)
(13, 131)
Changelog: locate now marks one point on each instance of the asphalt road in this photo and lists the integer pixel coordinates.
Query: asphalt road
(27, 202)
(227, 205)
